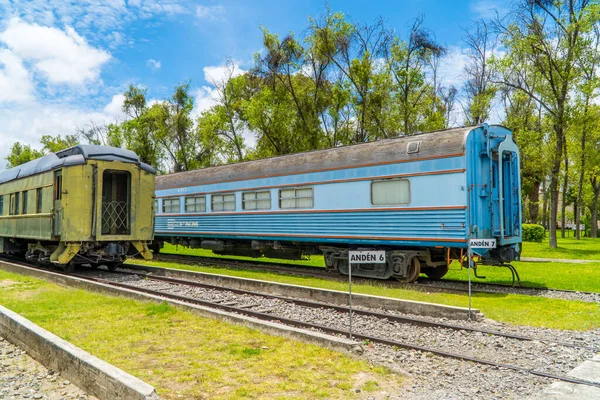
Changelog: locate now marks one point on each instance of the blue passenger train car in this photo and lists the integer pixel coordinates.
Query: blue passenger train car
(420, 198)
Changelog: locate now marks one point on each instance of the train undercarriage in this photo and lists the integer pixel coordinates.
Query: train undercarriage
(68, 255)
(403, 264)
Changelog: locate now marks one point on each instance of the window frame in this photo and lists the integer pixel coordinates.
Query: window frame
(170, 199)
(195, 204)
(39, 199)
(24, 201)
(222, 195)
(296, 198)
(1, 205)
(391, 180)
(255, 192)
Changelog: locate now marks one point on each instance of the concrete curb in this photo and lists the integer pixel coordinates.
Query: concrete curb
(322, 295)
(89, 373)
(303, 335)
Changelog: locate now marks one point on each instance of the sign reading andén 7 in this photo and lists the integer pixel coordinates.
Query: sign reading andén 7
(366, 256)
(482, 243)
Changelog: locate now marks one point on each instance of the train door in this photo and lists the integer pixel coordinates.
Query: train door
(58, 212)
(506, 196)
(116, 199)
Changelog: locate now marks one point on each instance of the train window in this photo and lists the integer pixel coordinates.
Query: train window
(1, 205)
(256, 200)
(171, 205)
(223, 202)
(38, 201)
(195, 204)
(390, 192)
(58, 187)
(11, 206)
(296, 198)
(24, 209)
(17, 203)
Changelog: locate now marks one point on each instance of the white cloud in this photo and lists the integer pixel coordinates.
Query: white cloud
(218, 74)
(451, 69)
(63, 57)
(487, 9)
(205, 98)
(27, 123)
(15, 83)
(153, 64)
(209, 12)
(115, 107)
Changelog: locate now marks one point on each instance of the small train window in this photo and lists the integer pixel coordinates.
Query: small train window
(24, 209)
(296, 198)
(17, 208)
(171, 205)
(390, 192)
(223, 202)
(1, 205)
(195, 204)
(256, 200)
(39, 201)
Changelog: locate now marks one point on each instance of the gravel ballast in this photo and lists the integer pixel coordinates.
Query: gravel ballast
(21, 377)
(431, 377)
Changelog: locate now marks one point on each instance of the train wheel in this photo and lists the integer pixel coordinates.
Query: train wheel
(414, 270)
(436, 272)
(68, 268)
(111, 266)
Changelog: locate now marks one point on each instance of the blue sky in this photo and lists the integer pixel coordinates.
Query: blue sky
(66, 63)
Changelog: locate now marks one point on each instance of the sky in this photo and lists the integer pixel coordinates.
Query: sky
(65, 64)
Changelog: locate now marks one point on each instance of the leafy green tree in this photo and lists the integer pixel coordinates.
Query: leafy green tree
(545, 43)
(415, 93)
(53, 144)
(20, 154)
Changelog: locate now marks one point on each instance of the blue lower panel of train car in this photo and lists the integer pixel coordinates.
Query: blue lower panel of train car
(443, 226)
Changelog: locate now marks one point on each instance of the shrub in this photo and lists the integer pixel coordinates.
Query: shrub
(533, 233)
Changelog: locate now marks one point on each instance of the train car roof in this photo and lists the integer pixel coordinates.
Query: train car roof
(75, 155)
(428, 145)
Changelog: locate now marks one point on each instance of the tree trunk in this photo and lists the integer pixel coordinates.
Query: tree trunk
(594, 223)
(565, 185)
(545, 205)
(555, 173)
(534, 203)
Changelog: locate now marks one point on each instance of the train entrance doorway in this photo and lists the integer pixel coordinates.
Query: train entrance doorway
(116, 203)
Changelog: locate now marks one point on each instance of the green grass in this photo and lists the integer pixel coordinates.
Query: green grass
(185, 356)
(313, 261)
(568, 248)
(512, 309)
(553, 275)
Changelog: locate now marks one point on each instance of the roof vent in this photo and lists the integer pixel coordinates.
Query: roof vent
(413, 147)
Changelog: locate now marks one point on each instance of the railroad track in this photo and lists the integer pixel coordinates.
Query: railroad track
(276, 308)
(423, 284)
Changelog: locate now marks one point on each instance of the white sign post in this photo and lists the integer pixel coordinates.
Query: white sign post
(360, 257)
(476, 244)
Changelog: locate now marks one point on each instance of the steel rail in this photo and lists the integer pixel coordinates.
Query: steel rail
(323, 273)
(330, 330)
(390, 317)
(335, 331)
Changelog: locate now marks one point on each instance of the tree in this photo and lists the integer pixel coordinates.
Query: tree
(20, 154)
(479, 92)
(53, 144)
(356, 51)
(415, 93)
(544, 42)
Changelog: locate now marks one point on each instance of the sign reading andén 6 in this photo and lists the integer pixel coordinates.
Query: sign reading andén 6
(366, 256)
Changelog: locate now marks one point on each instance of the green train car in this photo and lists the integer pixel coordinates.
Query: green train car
(84, 205)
